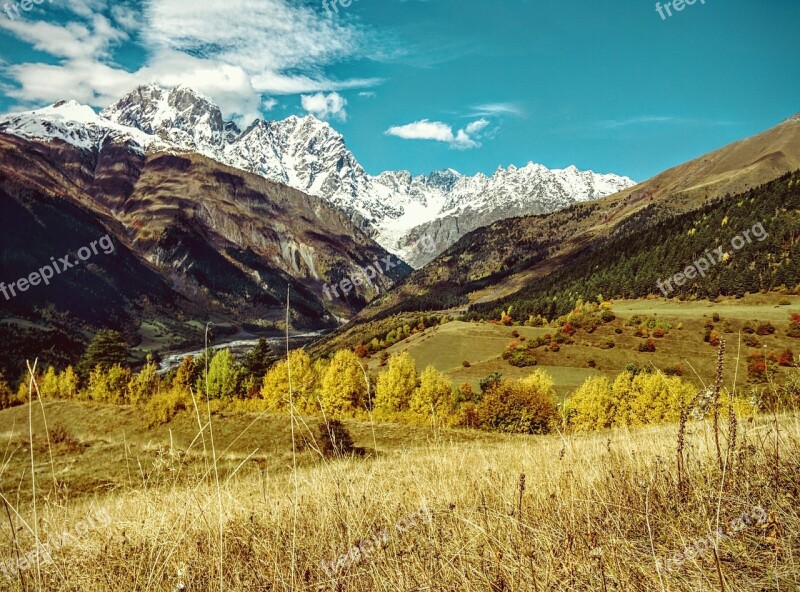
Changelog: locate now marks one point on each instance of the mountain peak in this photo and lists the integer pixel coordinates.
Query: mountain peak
(181, 115)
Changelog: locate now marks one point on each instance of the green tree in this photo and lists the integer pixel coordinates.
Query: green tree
(257, 362)
(224, 376)
(106, 349)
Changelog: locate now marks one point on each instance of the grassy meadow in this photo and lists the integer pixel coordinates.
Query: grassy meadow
(236, 501)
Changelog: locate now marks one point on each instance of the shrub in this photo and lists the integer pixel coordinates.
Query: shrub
(658, 333)
(785, 302)
(608, 344)
(751, 341)
(526, 406)
(466, 364)
(489, 381)
(786, 358)
(165, 405)
(520, 358)
(7, 396)
(714, 339)
(334, 439)
(515, 333)
(749, 327)
(715, 317)
(765, 328)
(794, 325)
(648, 347)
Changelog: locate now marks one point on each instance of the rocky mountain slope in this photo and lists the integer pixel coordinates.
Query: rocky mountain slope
(194, 241)
(396, 208)
(500, 260)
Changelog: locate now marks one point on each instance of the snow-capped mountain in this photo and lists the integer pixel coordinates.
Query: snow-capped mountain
(308, 154)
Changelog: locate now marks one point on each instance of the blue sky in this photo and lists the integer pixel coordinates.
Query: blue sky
(429, 84)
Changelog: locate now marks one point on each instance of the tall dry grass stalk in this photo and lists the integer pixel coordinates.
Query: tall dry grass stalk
(563, 512)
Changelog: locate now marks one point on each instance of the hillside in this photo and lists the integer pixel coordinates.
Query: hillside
(190, 240)
(508, 256)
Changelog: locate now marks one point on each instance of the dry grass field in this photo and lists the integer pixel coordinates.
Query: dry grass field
(432, 512)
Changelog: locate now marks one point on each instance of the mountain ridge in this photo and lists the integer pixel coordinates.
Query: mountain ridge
(395, 207)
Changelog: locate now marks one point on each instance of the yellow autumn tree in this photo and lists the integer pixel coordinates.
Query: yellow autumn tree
(68, 383)
(433, 397)
(48, 384)
(396, 385)
(592, 406)
(275, 389)
(343, 388)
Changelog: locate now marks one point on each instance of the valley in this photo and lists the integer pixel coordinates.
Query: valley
(332, 340)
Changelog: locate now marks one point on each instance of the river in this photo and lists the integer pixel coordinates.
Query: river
(240, 346)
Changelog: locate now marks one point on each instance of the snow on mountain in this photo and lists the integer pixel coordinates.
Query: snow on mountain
(308, 154)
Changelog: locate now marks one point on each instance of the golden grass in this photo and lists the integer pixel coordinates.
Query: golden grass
(594, 513)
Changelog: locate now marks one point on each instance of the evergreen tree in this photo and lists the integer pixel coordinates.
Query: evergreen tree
(106, 349)
(257, 362)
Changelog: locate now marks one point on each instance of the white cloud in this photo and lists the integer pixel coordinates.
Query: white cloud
(489, 109)
(322, 106)
(235, 51)
(437, 131)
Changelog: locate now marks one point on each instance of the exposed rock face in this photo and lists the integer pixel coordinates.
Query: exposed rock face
(307, 154)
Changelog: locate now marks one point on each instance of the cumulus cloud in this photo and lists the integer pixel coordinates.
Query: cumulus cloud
(438, 131)
(237, 52)
(322, 106)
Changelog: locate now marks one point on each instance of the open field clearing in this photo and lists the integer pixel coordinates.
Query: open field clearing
(487, 512)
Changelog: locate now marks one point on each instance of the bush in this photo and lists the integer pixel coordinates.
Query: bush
(490, 381)
(334, 439)
(466, 364)
(7, 396)
(166, 404)
(648, 347)
(751, 341)
(526, 406)
(765, 328)
(631, 400)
